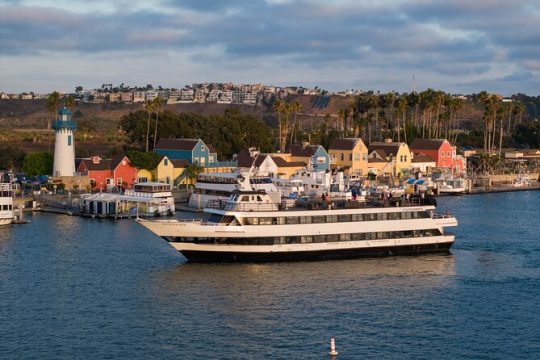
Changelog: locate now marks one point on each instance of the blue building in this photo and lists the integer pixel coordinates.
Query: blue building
(195, 151)
(315, 156)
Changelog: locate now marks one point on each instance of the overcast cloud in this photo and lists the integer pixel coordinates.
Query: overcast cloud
(458, 46)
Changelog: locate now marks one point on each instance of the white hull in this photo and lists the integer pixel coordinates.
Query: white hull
(5, 221)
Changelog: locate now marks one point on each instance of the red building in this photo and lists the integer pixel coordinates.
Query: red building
(107, 173)
(441, 151)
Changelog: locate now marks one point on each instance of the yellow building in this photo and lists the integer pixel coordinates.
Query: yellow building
(351, 154)
(170, 171)
(396, 152)
(144, 175)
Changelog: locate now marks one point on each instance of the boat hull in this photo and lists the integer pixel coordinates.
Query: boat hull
(341, 254)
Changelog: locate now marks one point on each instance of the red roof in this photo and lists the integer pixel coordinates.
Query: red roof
(427, 144)
(420, 158)
(177, 144)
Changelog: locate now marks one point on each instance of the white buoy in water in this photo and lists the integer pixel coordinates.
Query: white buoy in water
(333, 351)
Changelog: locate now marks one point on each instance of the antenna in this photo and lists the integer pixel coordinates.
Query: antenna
(413, 84)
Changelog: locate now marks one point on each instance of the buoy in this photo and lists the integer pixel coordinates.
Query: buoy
(333, 351)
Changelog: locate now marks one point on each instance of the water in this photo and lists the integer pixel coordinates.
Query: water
(76, 288)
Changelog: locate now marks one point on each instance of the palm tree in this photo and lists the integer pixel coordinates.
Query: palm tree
(296, 107)
(157, 107)
(149, 106)
(53, 100)
(401, 109)
(278, 108)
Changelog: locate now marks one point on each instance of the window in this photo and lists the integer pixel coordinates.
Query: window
(292, 220)
(342, 156)
(344, 237)
(245, 198)
(69, 140)
(356, 157)
(203, 148)
(119, 181)
(165, 161)
(305, 219)
(350, 157)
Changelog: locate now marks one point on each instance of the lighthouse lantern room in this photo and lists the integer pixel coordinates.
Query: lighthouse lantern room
(64, 144)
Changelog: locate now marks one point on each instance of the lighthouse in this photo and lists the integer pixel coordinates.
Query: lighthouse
(64, 144)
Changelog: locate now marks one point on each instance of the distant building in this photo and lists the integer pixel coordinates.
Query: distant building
(107, 173)
(151, 95)
(195, 151)
(315, 156)
(424, 163)
(350, 155)
(139, 96)
(439, 150)
(226, 97)
(213, 96)
(187, 95)
(115, 97)
(398, 152)
(127, 97)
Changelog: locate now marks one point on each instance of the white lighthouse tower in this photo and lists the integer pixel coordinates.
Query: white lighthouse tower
(64, 144)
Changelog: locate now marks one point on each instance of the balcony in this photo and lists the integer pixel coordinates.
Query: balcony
(64, 124)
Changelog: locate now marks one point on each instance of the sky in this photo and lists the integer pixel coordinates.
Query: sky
(459, 46)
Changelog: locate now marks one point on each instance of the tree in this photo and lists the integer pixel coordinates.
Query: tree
(149, 106)
(52, 108)
(157, 107)
(11, 158)
(192, 171)
(38, 163)
(144, 160)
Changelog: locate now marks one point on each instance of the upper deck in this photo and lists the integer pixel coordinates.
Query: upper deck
(255, 202)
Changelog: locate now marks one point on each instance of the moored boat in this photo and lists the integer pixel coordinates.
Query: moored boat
(6, 203)
(250, 227)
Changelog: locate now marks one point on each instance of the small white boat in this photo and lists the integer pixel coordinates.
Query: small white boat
(452, 186)
(6, 203)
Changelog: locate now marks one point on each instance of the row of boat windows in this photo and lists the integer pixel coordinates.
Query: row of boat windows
(6, 207)
(277, 240)
(6, 193)
(333, 218)
(212, 192)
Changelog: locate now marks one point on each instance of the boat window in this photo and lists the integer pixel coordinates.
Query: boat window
(265, 221)
(278, 221)
(245, 198)
(331, 218)
(252, 221)
(358, 236)
(215, 218)
(370, 217)
(305, 219)
(306, 239)
(344, 218)
(332, 237)
(259, 198)
(382, 216)
(357, 217)
(319, 238)
(393, 216)
(344, 237)
(292, 220)
(318, 219)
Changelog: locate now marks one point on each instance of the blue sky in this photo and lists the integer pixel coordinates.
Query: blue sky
(460, 46)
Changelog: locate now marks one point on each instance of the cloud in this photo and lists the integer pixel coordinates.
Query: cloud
(456, 43)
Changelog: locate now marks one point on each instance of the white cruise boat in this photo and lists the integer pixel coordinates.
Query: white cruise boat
(219, 186)
(250, 227)
(6, 203)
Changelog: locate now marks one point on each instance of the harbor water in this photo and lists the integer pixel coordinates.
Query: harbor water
(79, 288)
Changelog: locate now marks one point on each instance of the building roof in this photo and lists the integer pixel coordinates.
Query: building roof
(376, 160)
(280, 162)
(390, 148)
(427, 144)
(422, 158)
(299, 150)
(211, 148)
(380, 152)
(179, 163)
(344, 144)
(177, 144)
(103, 164)
(244, 159)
